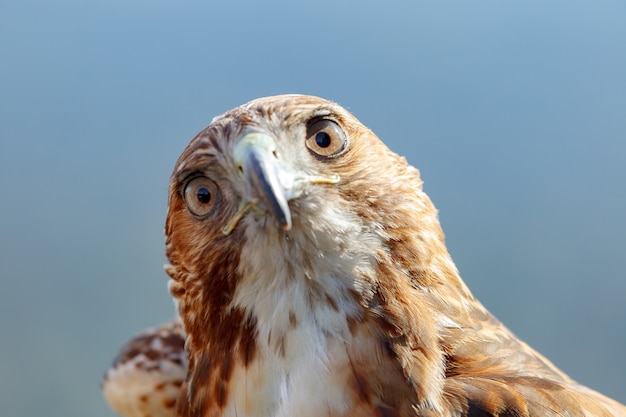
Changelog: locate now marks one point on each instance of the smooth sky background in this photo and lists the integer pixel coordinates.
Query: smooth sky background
(514, 111)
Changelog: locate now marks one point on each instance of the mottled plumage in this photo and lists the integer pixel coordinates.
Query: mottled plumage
(312, 279)
(145, 378)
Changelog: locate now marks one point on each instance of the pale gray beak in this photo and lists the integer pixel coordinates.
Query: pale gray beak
(269, 184)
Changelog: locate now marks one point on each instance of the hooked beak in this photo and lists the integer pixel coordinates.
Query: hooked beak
(267, 182)
(270, 184)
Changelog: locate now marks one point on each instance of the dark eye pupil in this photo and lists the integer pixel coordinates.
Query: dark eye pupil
(322, 139)
(203, 195)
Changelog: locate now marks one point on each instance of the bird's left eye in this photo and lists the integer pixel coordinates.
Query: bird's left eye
(200, 195)
(325, 138)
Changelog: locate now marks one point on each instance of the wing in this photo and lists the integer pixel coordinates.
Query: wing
(498, 395)
(145, 378)
(491, 372)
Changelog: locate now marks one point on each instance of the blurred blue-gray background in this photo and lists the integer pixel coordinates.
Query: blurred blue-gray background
(515, 113)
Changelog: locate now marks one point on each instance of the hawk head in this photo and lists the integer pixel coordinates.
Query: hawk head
(283, 214)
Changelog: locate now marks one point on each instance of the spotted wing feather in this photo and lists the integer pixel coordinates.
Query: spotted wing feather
(145, 378)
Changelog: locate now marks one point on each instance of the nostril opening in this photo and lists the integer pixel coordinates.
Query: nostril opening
(275, 154)
(240, 168)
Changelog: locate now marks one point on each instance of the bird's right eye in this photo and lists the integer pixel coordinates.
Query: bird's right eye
(200, 195)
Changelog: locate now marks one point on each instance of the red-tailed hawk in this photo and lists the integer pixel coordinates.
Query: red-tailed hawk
(312, 279)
